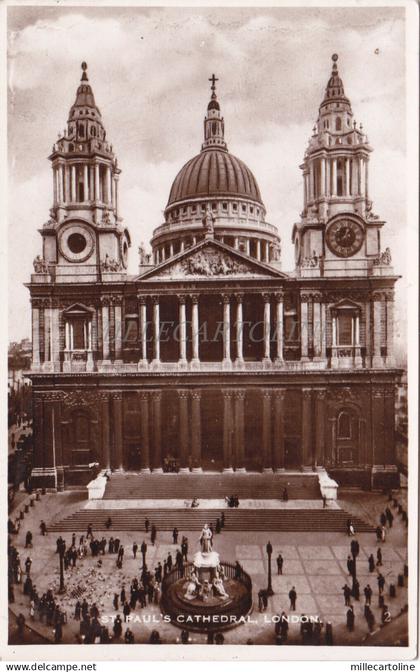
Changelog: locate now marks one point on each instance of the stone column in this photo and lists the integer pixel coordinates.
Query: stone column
(182, 331)
(143, 330)
(183, 431)
(389, 426)
(73, 184)
(36, 359)
(156, 330)
(328, 178)
(267, 325)
(105, 413)
(390, 360)
(368, 346)
(57, 440)
(118, 331)
(226, 329)
(320, 396)
(86, 181)
(347, 164)
(311, 182)
(378, 426)
(118, 437)
(266, 430)
(157, 432)
(145, 435)
(278, 448)
(97, 187)
(304, 298)
(239, 400)
(361, 177)
(227, 431)
(114, 193)
(60, 194)
(105, 329)
(55, 190)
(367, 178)
(317, 326)
(109, 186)
(334, 177)
(195, 329)
(305, 189)
(322, 185)
(377, 361)
(307, 459)
(258, 249)
(279, 328)
(55, 334)
(239, 329)
(323, 330)
(196, 431)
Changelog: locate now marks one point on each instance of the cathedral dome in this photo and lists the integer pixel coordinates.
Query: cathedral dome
(214, 173)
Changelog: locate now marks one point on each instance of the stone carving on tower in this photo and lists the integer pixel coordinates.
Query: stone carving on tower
(84, 236)
(338, 234)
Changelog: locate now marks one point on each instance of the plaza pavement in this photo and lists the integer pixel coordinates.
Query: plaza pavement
(315, 563)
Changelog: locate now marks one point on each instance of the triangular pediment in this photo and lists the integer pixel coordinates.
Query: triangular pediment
(210, 259)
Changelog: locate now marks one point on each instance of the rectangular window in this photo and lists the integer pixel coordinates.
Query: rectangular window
(79, 335)
(225, 206)
(345, 330)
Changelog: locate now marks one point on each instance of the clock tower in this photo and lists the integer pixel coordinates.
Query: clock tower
(338, 234)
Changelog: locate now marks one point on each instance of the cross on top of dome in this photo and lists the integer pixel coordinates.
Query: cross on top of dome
(84, 77)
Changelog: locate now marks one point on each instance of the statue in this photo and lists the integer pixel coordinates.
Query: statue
(40, 266)
(106, 219)
(193, 586)
(206, 539)
(142, 254)
(218, 588)
(383, 259)
(276, 251)
(110, 265)
(208, 220)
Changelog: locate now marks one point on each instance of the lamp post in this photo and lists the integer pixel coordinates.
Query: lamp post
(61, 552)
(269, 550)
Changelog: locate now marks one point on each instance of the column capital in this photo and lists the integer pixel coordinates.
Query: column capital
(305, 297)
(181, 298)
(266, 393)
(279, 296)
(321, 393)
(155, 299)
(117, 396)
(104, 396)
(267, 297)
(279, 394)
(105, 300)
(226, 298)
(156, 395)
(239, 296)
(183, 394)
(239, 394)
(195, 394)
(194, 298)
(227, 394)
(142, 298)
(378, 295)
(144, 395)
(306, 393)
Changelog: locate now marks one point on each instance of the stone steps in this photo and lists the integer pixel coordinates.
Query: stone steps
(211, 486)
(280, 520)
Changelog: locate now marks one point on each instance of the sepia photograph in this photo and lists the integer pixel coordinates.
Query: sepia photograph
(208, 324)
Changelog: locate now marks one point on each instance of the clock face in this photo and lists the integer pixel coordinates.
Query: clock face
(345, 237)
(76, 242)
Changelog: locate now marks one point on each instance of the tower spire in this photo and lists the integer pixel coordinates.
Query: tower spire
(84, 77)
(214, 126)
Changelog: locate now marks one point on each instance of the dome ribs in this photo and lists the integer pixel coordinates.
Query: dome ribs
(214, 173)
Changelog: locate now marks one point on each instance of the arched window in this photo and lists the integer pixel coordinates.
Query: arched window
(338, 124)
(344, 426)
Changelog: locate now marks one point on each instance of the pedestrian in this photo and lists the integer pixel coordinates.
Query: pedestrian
(122, 595)
(135, 548)
(115, 601)
(218, 526)
(126, 611)
(378, 532)
(146, 525)
(350, 565)
(89, 532)
(184, 548)
(354, 548)
(381, 583)
(129, 636)
(347, 594)
(58, 632)
(285, 495)
(43, 528)
(350, 619)
(379, 557)
(222, 519)
(368, 594)
(117, 627)
(121, 553)
(329, 634)
(355, 591)
(382, 519)
(28, 539)
(169, 562)
(371, 561)
(77, 610)
(111, 545)
(324, 502)
(383, 534)
(279, 564)
(108, 523)
(260, 600)
(175, 535)
(370, 619)
(389, 516)
(20, 622)
(292, 598)
(28, 565)
(153, 534)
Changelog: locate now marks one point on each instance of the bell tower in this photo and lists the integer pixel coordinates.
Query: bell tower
(84, 237)
(338, 233)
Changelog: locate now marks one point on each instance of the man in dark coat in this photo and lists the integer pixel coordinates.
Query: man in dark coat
(292, 598)
(347, 594)
(153, 534)
(135, 549)
(279, 564)
(368, 594)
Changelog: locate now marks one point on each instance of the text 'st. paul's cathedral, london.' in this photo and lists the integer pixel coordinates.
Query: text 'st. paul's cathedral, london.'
(211, 356)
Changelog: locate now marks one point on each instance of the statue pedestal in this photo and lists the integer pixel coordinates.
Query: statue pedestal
(206, 564)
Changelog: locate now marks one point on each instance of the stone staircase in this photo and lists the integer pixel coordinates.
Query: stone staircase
(212, 486)
(245, 520)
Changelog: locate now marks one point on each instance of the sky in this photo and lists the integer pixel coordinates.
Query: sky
(149, 70)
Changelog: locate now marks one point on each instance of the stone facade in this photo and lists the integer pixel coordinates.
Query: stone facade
(211, 355)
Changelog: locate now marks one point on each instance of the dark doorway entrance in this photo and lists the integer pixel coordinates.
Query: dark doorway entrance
(292, 452)
(133, 457)
(212, 431)
(80, 451)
